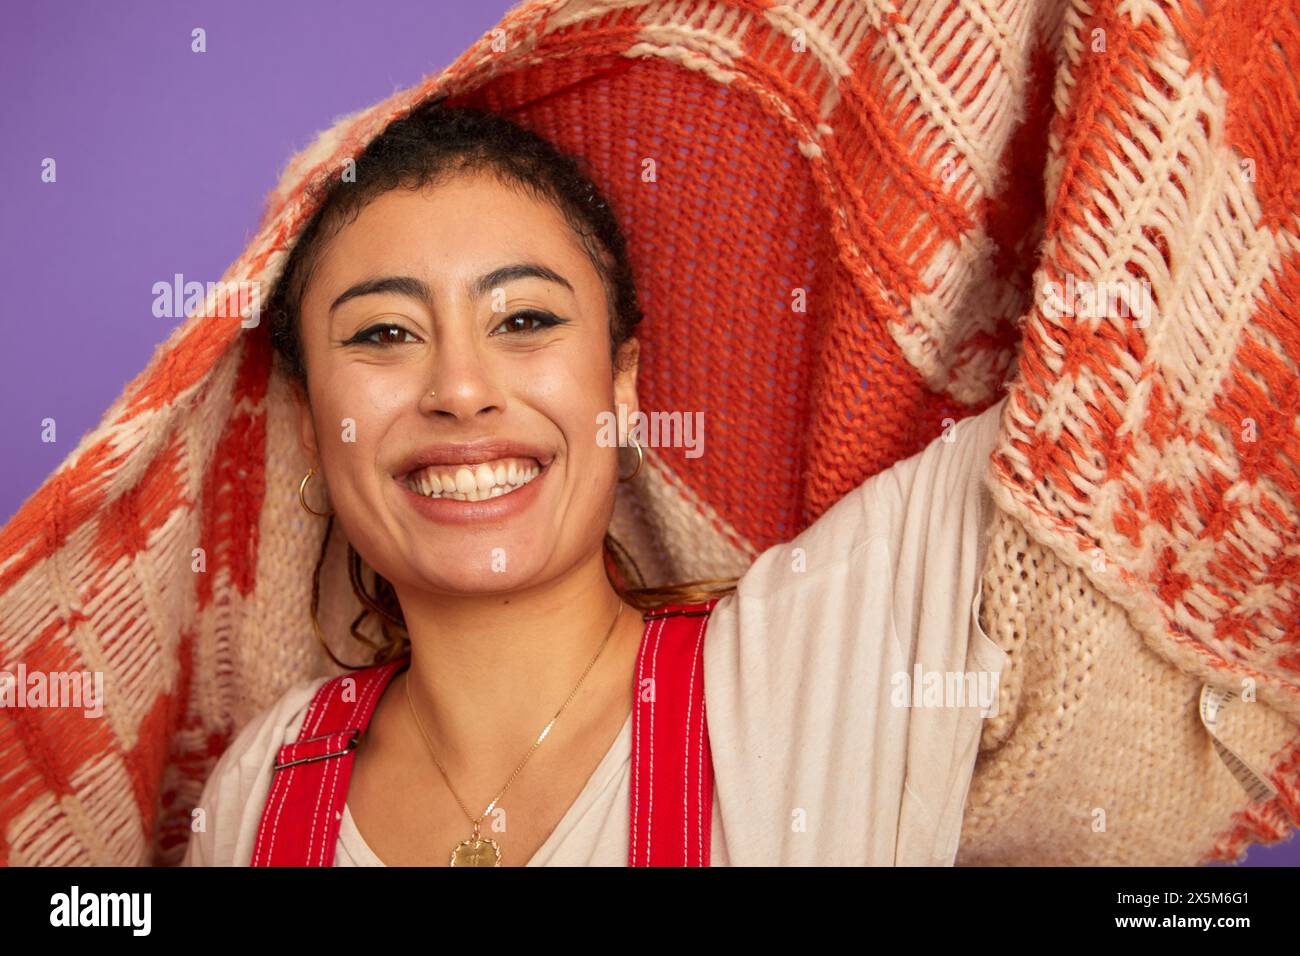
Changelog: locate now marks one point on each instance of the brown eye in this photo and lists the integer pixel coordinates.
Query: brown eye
(543, 320)
(388, 333)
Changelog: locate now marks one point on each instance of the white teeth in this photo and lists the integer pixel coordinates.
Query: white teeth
(478, 483)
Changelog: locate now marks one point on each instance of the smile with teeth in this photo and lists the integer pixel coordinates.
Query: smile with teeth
(490, 479)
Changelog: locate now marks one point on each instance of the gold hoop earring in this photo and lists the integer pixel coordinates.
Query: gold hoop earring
(640, 460)
(302, 496)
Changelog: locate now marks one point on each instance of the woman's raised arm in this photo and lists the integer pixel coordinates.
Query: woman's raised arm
(847, 677)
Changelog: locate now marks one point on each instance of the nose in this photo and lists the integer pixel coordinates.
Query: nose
(461, 382)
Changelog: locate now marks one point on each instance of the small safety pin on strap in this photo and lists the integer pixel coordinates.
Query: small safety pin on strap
(1213, 701)
(349, 744)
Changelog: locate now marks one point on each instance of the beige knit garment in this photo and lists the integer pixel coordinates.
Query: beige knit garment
(817, 760)
(1053, 788)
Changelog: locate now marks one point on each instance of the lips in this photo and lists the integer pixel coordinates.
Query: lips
(474, 509)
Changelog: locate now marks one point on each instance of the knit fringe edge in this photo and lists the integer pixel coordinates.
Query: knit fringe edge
(1266, 824)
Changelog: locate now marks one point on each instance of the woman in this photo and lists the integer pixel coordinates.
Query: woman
(851, 235)
(472, 256)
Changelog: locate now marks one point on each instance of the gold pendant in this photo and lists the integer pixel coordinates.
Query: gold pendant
(476, 852)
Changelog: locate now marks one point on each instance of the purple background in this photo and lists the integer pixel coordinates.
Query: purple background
(164, 157)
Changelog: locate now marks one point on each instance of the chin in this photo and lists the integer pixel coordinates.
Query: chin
(478, 578)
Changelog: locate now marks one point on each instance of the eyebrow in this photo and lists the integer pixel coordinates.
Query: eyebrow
(414, 288)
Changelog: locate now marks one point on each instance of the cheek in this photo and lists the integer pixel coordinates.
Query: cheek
(352, 410)
(573, 394)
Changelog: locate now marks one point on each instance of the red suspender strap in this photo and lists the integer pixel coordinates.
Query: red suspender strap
(672, 771)
(309, 786)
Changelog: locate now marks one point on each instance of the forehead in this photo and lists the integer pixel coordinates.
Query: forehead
(463, 226)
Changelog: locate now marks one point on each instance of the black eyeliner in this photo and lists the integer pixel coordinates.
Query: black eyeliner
(547, 320)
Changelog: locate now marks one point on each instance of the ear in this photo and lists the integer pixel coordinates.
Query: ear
(306, 426)
(625, 370)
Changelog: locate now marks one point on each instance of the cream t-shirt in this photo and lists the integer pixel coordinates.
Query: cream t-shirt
(824, 752)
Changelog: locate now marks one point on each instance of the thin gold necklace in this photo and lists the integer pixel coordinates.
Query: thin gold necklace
(479, 850)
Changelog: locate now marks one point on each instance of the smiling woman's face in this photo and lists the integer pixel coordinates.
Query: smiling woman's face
(484, 344)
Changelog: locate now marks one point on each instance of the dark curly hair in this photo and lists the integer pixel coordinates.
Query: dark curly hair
(428, 146)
